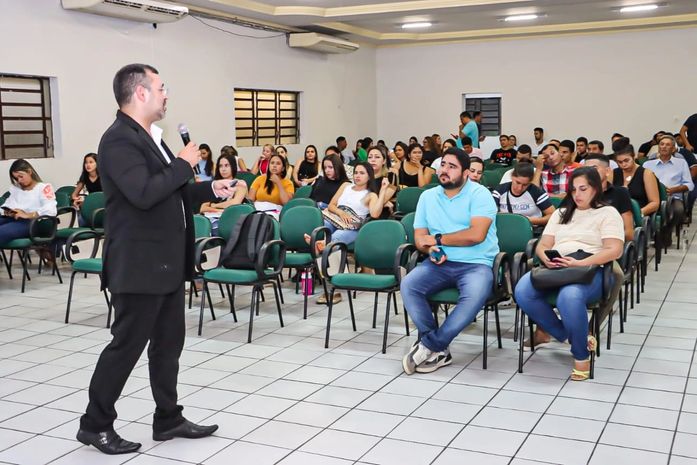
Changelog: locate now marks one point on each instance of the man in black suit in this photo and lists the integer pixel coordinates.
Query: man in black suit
(148, 256)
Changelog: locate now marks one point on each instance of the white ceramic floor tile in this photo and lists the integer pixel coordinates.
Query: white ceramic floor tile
(393, 452)
(245, 452)
(281, 434)
(340, 444)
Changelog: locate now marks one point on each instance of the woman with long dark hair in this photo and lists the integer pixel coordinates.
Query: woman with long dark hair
(583, 232)
(204, 167)
(89, 179)
(412, 173)
(306, 172)
(226, 168)
(273, 187)
(333, 176)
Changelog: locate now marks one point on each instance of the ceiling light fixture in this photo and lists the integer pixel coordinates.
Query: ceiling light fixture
(520, 17)
(420, 25)
(636, 8)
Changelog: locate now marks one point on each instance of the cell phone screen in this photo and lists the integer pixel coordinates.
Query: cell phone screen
(552, 254)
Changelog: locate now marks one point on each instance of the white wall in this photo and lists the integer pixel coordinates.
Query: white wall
(635, 83)
(201, 67)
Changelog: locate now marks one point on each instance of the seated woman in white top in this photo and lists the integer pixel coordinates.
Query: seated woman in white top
(29, 198)
(226, 168)
(584, 224)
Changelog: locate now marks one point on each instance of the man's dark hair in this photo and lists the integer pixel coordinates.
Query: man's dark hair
(582, 139)
(340, 139)
(466, 114)
(461, 156)
(569, 144)
(524, 170)
(333, 149)
(476, 113)
(466, 140)
(600, 145)
(600, 157)
(503, 136)
(539, 129)
(617, 134)
(525, 148)
(128, 78)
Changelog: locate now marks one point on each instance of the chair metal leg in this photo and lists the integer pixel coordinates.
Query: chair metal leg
(231, 298)
(498, 325)
(620, 302)
(353, 317)
(387, 323)
(276, 293)
(191, 294)
(520, 324)
(375, 311)
(254, 303)
(7, 263)
(515, 323)
(70, 296)
(484, 338)
(55, 264)
(394, 300)
(207, 293)
(200, 313)
(280, 290)
(222, 291)
(25, 272)
(330, 304)
(406, 316)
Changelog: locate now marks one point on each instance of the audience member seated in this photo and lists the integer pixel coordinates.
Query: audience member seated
(29, 198)
(584, 224)
(307, 170)
(431, 151)
(506, 154)
(640, 182)
(89, 180)
(523, 155)
(261, 165)
(362, 148)
(513, 141)
(469, 149)
(345, 152)
(454, 225)
(476, 169)
(282, 151)
(226, 168)
(521, 196)
(554, 179)
(382, 167)
(272, 190)
(398, 153)
(449, 143)
(204, 168)
(412, 173)
(326, 186)
(617, 197)
(231, 151)
(567, 150)
(675, 175)
(649, 147)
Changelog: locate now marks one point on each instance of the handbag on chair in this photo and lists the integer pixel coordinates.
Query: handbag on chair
(544, 279)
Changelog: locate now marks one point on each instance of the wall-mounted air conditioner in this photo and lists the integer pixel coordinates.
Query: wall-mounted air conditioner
(147, 11)
(321, 43)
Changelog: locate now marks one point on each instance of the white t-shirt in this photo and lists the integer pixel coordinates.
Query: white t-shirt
(586, 230)
(41, 199)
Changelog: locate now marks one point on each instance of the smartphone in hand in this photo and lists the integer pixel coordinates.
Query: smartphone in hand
(437, 254)
(551, 254)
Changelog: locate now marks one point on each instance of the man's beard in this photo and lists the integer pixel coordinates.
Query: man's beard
(452, 184)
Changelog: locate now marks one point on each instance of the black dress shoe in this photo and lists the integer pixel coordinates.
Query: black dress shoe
(187, 430)
(108, 442)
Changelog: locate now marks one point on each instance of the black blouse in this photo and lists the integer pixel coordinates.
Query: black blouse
(323, 190)
(406, 179)
(95, 186)
(306, 170)
(636, 187)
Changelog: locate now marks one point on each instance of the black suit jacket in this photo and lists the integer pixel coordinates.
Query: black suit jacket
(148, 223)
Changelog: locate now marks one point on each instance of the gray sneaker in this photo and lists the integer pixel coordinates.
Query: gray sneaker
(435, 361)
(418, 354)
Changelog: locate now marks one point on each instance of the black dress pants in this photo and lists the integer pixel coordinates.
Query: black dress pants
(140, 318)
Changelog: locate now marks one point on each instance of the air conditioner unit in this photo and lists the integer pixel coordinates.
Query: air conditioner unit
(147, 11)
(321, 43)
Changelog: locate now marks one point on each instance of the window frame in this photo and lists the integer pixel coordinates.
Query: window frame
(278, 98)
(473, 102)
(47, 127)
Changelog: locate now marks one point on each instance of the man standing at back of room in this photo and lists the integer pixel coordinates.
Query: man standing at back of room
(148, 256)
(688, 131)
(468, 128)
(454, 225)
(540, 141)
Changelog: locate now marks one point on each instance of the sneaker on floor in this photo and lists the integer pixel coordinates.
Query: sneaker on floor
(418, 354)
(437, 360)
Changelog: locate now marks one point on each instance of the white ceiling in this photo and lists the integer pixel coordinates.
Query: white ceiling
(380, 22)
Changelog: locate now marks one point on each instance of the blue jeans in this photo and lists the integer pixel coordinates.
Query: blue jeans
(347, 236)
(472, 280)
(13, 229)
(572, 302)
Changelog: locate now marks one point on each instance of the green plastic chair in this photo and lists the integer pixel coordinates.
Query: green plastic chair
(92, 213)
(408, 224)
(202, 229)
(296, 202)
(299, 255)
(407, 199)
(229, 217)
(247, 177)
(67, 190)
(267, 270)
(303, 192)
(491, 178)
(386, 256)
(557, 201)
(81, 251)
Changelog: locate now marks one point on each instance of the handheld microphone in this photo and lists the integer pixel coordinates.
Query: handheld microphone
(184, 132)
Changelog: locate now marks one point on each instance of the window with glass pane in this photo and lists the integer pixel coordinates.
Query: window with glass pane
(266, 117)
(490, 106)
(26, 129)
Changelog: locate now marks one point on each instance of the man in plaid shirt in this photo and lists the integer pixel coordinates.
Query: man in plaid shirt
(551, 173)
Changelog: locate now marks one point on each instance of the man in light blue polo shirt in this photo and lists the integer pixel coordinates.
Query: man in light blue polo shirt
(468, 128)
(455, 224)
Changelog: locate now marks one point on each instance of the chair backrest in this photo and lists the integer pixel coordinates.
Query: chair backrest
(408, 224)
(407, 199)
(294, 227)
(247, 177)
(662, 191)
(377, 243)
(556, 201)
(431, 185)
(230, 215)
(93, 202)
(295, 202)
(491, 178)
(513, 232)
(636, 214)
(65, 190)
(303, 192)
(202, 226)
(62, 200)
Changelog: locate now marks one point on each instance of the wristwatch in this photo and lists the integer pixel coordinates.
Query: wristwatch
(438, 239)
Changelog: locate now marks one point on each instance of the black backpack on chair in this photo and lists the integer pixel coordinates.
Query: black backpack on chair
(251, 231)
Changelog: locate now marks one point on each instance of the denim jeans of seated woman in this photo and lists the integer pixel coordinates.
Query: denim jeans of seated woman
(473, 281)
(347, 236)
(13, 229)
(572, 303)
